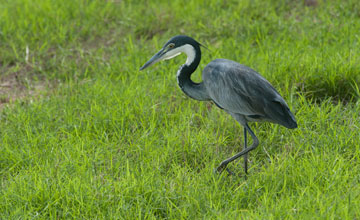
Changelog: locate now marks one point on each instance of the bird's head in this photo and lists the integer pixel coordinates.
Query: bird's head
(174, 47)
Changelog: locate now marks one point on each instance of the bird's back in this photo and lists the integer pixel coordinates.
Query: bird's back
(241, 90)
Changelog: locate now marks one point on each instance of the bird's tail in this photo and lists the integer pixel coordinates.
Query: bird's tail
(281, 114)
(291, 121)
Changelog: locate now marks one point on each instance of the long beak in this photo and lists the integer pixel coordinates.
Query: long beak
(156, 58)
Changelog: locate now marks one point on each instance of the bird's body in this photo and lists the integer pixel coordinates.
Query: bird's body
(235, 88)
(256, 99)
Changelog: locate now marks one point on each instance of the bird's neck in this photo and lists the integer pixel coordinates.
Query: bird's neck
(194, 90)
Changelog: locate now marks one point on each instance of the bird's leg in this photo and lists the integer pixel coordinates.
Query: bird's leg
(255, 143)
(246, 155)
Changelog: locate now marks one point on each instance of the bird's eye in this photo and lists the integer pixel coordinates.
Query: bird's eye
(171, 45)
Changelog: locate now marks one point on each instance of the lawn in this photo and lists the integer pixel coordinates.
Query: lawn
(85, 135)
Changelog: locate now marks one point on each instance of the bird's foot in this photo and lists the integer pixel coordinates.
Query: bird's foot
(221, 168)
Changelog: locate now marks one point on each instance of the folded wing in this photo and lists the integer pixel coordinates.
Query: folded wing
(241, 90)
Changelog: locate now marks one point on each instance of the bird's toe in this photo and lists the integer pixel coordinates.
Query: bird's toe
(221, 168)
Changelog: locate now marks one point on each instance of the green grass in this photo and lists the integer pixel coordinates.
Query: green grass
(105, 141)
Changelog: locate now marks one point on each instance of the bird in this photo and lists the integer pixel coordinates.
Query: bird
(235, 88)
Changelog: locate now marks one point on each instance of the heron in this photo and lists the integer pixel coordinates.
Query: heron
(235, 88)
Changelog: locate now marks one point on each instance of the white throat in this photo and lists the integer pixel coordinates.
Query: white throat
(190, 53)
(187, 49)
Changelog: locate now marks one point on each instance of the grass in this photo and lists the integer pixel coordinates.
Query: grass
(103, 140)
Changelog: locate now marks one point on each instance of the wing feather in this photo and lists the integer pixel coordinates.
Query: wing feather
(241, 90)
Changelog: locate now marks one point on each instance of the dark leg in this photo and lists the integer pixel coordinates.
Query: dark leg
(246, 155)
(223, 164)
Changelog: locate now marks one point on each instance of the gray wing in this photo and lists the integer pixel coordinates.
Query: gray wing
(241, 90)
